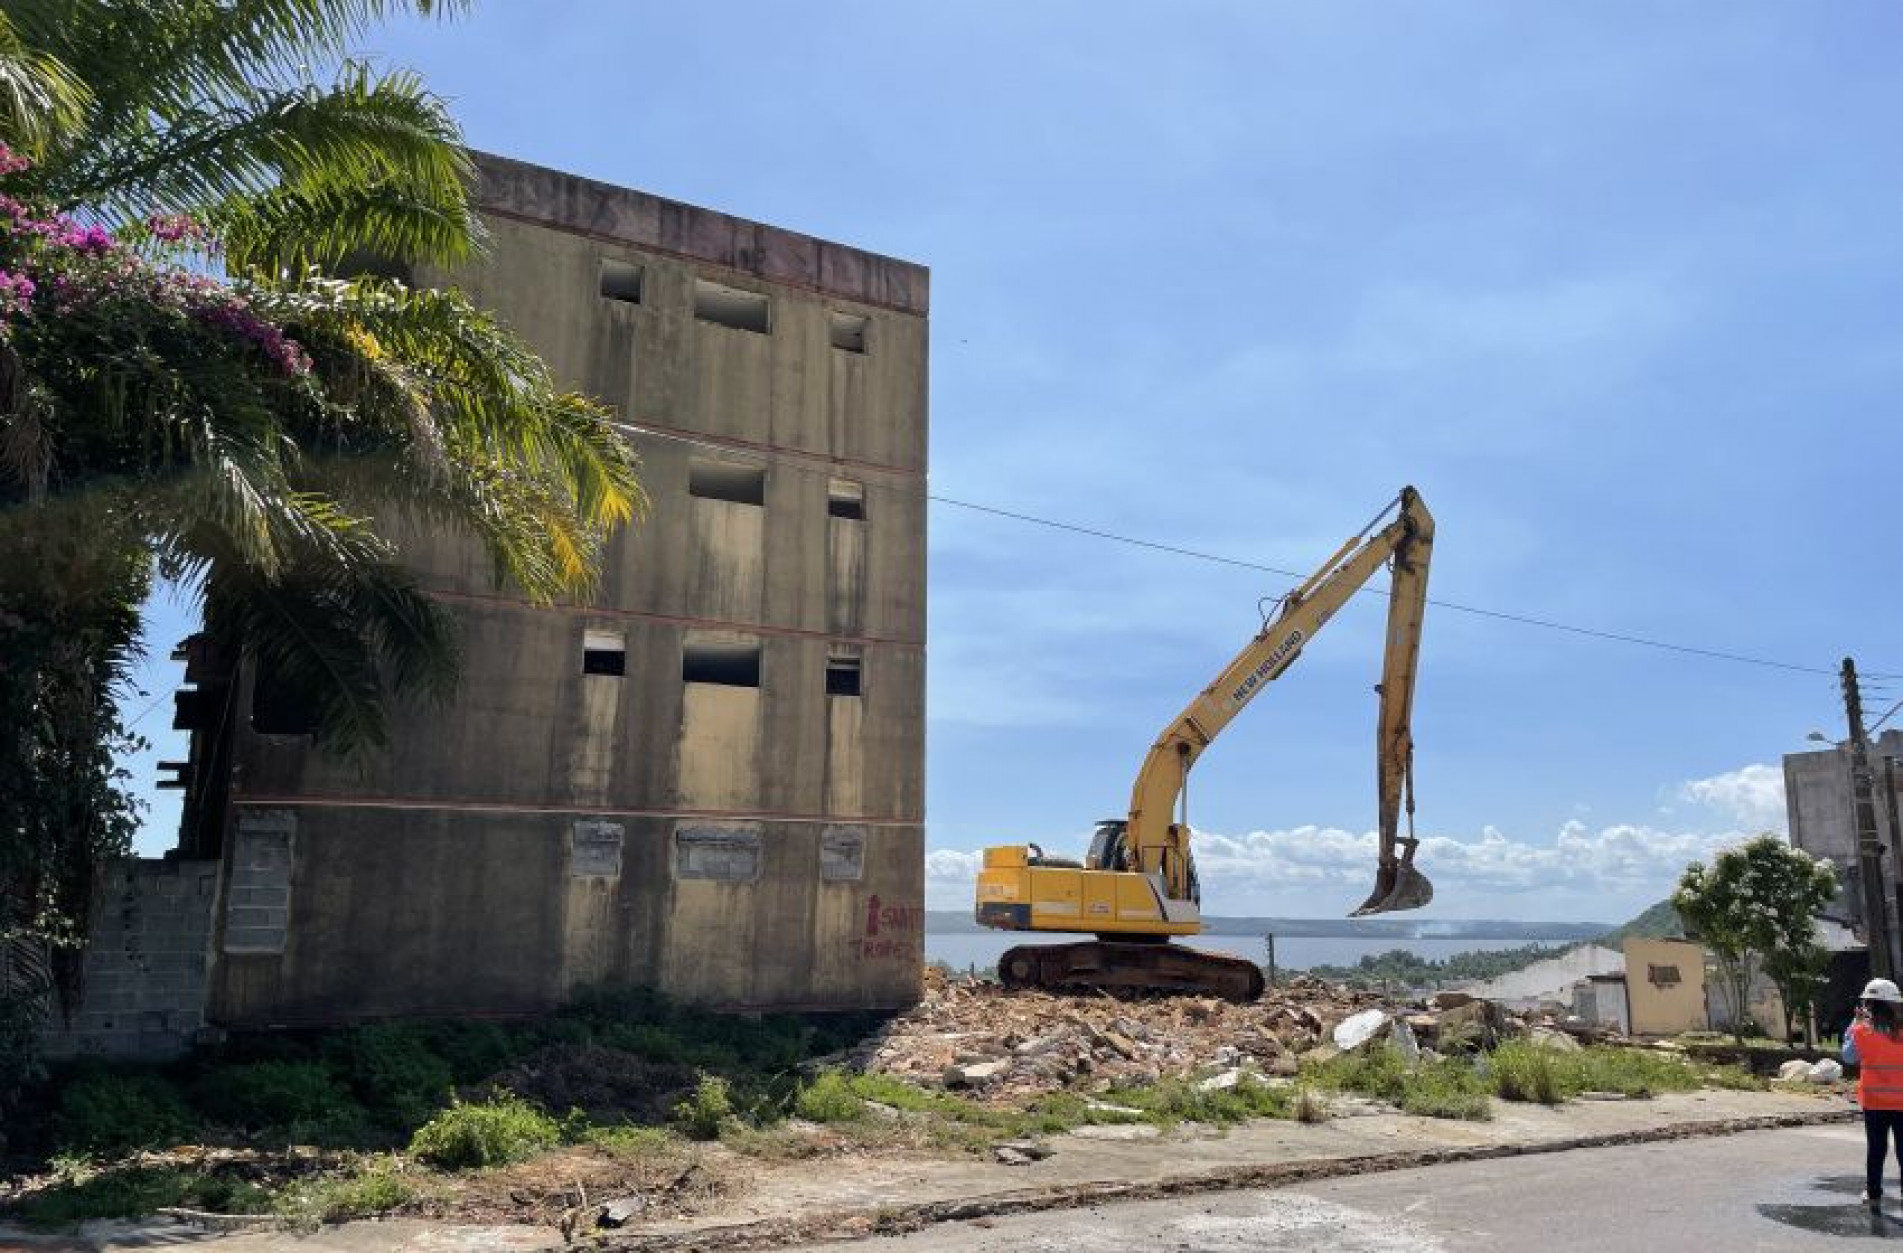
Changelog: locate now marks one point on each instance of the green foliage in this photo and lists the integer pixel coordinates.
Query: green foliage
(1658, 922)
(494, 1132)
(83, 1193)
(1447, 1088)
(1524, 1071)
(373, 1186)
(629, 1141)
(106, 1111)
(829, 1098)
(709, 1109)
(1758, 902)
(393, 1072)
(256, 1095)
(1401, 968)
(1170, 1101)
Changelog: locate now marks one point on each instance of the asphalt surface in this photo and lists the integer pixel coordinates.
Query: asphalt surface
(1793, 1189)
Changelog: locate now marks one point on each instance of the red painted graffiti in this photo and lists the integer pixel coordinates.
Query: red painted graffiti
(880, 916)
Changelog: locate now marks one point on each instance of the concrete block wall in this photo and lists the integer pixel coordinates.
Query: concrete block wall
(146, 959)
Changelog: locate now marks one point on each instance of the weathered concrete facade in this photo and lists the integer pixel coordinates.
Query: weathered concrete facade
(1820, 803)
(709, 780)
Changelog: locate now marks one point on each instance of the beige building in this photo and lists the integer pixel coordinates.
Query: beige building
(711, 779)
(1665, 987)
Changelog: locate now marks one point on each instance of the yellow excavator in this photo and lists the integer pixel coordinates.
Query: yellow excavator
(1136, 886)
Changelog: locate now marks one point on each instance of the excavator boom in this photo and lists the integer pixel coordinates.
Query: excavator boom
(1138, 885)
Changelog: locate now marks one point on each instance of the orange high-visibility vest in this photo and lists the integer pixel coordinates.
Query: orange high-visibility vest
(1879, 1068)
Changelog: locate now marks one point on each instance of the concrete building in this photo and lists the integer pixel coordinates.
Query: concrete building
(711, 779)
(1551, 981)
(1821, 809)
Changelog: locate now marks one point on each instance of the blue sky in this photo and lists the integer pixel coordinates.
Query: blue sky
(1615, 285)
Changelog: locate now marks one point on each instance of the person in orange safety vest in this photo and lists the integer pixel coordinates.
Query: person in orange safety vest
(1874, 1044)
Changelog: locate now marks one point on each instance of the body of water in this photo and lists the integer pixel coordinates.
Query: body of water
(961, 950)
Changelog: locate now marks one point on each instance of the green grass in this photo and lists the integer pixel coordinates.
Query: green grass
(1448, 1088)
(829, 1098)
(1523, 1071)
(85, 1192)
(109, 1111)
(1171, 1101)
(630, 1141)
(707, 1111)
(494, 1132)
(374, 1186)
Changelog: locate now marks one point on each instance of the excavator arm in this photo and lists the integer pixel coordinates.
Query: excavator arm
(1157, 838)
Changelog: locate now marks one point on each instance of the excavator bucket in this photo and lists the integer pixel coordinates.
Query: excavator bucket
(1396, 886)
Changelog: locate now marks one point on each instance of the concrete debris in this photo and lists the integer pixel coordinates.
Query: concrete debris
(619, 1213)
(1003, 1047)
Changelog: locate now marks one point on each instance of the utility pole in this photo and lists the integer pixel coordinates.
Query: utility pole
(1869, 852)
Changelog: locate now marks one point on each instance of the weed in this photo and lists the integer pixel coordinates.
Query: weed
(375, 1186)
(1736, 1078)
(84, 1193)
(393, 1072)
(629, 1141)
(709, 1109)
(1528, 1072)
(110, 1111)
(1170, 1101)
(494, 1132)
(255, 1095)
(1310, 1107)
(1445, 1088)
(829, 1098)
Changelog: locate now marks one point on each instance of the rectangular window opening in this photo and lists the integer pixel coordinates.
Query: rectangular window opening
(846, 499)
(730, 307)
(842, 676)
(730, 665)
(848, 330)
(277, 708)
(723, 480)
(604, 652)
(621, 280)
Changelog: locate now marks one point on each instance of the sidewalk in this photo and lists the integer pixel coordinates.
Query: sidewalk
(843, 1197)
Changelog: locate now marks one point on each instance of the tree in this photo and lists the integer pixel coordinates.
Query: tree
(185, 386)
(1756, 908)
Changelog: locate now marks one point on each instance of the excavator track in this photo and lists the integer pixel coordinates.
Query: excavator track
(1150, 967)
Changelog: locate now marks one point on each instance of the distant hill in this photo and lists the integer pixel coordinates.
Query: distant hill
(1661, 922)
(960, 922)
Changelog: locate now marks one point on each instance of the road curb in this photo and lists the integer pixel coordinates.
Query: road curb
(885, 1220)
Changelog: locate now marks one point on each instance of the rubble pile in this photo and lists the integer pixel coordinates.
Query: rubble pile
(1007, 1045)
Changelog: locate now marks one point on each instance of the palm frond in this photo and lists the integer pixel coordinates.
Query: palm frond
(40, 98)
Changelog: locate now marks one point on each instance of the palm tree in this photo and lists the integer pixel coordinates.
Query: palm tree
(250, 423)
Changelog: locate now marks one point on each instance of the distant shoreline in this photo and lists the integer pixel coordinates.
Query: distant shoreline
(958, 922)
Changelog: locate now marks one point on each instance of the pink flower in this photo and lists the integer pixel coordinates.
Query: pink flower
(174, 228)
(12, 162)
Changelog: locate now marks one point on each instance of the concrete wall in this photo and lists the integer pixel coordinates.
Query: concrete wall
(1549, 980)
(1820, 805)
(1665, 986)
(145, 964)
(549, 828)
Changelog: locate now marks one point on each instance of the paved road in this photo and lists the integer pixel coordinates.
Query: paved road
(1769, 1190)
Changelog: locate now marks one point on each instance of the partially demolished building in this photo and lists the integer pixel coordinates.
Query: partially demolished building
(708, 780)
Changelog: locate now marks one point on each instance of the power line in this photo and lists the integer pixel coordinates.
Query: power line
(1501, 615)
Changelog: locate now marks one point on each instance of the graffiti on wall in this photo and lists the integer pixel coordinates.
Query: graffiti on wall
(892, 932)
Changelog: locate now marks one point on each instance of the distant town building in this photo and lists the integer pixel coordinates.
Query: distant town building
(709, 781)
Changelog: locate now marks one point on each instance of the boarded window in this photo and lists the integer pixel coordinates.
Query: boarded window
(846, 499)
(848, 330)
(727, 854)
(842, 676)
(730, 306)
(842, 854)
(594, 850)
(1661, 976)
(621, 280)
(604, 652)
(723, 480)
(258, 912)
(729, 664)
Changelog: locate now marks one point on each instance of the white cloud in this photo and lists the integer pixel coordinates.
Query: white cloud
(1264, 870)
(1751, 796)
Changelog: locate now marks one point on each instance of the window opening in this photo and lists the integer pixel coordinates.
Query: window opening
(723, 480)
(848, 330)
(730, 307)
(604, 652)
(846, 499)
(621, 280)
(842, 676)
(730, 665)
(277, 708)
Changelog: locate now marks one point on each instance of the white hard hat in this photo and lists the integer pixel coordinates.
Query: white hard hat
(1882, 990)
